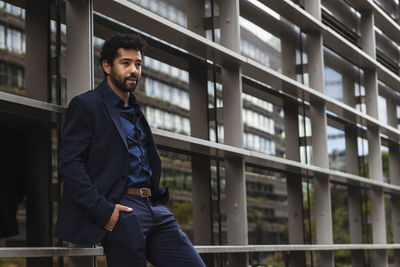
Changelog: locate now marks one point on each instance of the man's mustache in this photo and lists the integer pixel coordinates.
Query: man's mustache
(133, 76)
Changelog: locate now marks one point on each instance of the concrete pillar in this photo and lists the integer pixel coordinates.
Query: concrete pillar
(349, 77)
(394, 173)
(294, 183)
(368, 43)
(378, 221)
(79, 47)
(322, 192)
(79, 68)
(236, 206)
(292, 151)
(201, 173)
(354, 196)
(353, 193)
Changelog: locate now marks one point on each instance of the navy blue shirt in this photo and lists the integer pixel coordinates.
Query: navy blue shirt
(132, 122)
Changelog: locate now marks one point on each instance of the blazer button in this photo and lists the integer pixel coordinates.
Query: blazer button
(114, 200)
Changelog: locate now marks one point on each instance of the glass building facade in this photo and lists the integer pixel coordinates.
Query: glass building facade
(277, 122)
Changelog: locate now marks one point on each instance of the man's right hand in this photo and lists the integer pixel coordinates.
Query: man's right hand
(114, 217)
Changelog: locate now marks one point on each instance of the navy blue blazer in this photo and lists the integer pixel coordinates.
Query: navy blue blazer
(93, 164)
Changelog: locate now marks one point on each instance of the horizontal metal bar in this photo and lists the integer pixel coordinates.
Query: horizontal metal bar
(29, 102)
(273, 248)
(135, 16)
(36, 252)
(208, 148)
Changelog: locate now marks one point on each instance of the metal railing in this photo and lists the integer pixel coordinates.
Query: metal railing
(37, 252)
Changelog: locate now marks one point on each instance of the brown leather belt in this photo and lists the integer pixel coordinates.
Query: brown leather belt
(143, 192)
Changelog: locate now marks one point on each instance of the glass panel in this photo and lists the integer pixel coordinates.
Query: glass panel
(266, 207)
(340, 218)
(389, 222)
(268, 39)
(263, 126)
(12, 46)
(218, 191)
(343, 18)
(336, 149)
(61, 95)
(13, 190)
(308, 207)
(269, 258)
(342, 79)
(177, 176)
(13, 54)
(385, 163)
(212, 89)
(387, 51)
(173, 10)
(342, 258)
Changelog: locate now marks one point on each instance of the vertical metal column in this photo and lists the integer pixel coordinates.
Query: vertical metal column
(79, 68)
(38, 209)
(374, 141)
(236, 206)
(201, 173)
(394, 173)
(322, 193)
(79, 47)
(353, 193)
(292, 151)
(37, 31)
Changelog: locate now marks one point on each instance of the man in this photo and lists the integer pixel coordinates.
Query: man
(111, 171)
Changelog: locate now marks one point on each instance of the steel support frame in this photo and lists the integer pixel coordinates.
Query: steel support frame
(236, 205)
(378, 220)
(321, 184)
(292, 150)
(79, 70)
(201, 172)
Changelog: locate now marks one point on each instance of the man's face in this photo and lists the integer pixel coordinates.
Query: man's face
(126, 69)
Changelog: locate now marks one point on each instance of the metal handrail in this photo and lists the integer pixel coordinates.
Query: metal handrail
(37, 252)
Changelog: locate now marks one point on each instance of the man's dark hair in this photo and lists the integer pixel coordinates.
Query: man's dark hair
(110, 48)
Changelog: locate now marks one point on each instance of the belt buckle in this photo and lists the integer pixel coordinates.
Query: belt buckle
(144, 192)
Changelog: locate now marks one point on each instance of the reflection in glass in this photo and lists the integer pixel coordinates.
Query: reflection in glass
(266, 213)
(172, 10)
(258, 44)
(336, 148)
(333, 84)
(176, 174)
(340, 223)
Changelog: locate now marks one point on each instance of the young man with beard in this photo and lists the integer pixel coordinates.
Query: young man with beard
(111, 171)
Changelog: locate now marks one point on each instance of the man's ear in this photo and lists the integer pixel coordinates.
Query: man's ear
(106, 67)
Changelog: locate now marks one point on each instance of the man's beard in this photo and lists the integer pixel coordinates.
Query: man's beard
(122, 84)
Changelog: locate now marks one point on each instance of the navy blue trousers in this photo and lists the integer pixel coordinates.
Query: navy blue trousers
(150, 232)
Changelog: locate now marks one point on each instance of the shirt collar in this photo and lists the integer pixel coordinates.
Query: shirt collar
(117, 101)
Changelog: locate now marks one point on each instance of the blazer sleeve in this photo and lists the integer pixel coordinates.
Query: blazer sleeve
(75, 144)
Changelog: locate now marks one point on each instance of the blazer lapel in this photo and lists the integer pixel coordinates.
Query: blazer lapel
(113, 112)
